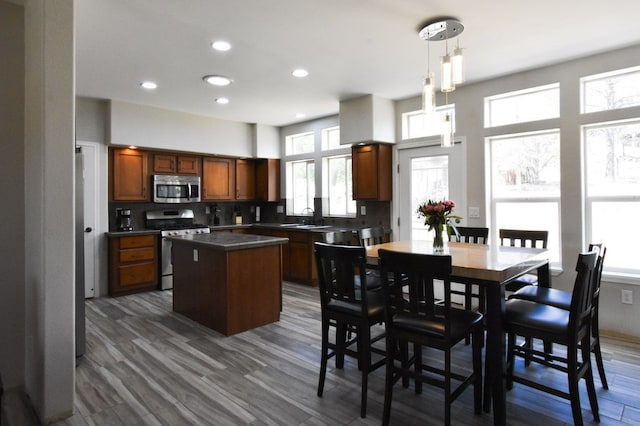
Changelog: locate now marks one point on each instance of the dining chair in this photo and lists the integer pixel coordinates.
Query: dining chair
(562, 299)
(413, 317)
(471, 235)
(570, 328)
(338, 237)
(371, 236)
(523, 238)
(348, 307)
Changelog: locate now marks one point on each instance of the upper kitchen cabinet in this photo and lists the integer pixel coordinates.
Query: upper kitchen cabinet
(371, 172)
(245, 180)
(176, 164)
(130, 177)
(218, 179)
(268, 179)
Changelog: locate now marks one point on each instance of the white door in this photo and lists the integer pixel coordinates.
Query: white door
(428, 172)
(90, 189)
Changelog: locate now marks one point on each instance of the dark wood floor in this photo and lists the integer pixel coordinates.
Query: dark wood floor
(146, 365)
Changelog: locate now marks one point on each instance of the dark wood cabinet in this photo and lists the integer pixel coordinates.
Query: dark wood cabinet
(218, 179)
(268, 179)
(371, 172)
(133, 264)
(130, 177)
(176, 164)
(245, 180)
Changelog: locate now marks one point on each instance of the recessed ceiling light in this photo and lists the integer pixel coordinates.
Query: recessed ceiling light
(222, 100)
(149, 85)
(300, 115)
(300, 73)
(217, 80)
(221, 45)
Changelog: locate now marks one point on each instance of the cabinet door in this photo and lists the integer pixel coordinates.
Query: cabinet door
(130, 175)
(371, 172)
(268, 179)
(163, 163)
(188, 165)
(245, 180)
(218, 178)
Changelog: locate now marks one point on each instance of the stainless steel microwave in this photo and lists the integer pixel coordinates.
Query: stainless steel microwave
(176, 189)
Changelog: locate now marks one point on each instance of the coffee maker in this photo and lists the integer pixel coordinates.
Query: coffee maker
(123, 220)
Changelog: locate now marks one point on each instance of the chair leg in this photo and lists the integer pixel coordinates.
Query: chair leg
(341, 336)
(404, 362)
(364, 358)
(388, 382)
(600, 363)
(477, 370)
(324, 355)
(573, 378)
(591, 388)
(511, 358)
(417, 365)
(468, 291)
(447, 387)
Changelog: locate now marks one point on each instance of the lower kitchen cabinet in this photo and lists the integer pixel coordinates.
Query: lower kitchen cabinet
(298, 260)
(133, 264)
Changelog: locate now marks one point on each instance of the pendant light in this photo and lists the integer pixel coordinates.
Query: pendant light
(451, 65)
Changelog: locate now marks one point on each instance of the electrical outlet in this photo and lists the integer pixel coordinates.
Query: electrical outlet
(363, 210)
(280, 209)
(195, 255)
(627, 297)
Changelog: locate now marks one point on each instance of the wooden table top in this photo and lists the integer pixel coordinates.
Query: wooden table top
(474, 261)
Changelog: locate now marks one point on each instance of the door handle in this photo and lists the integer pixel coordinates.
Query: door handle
(88, 229)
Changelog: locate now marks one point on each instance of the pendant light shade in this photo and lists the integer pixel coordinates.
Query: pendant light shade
(429, 93)
(457, 69)
(446, 85)
(447, 132)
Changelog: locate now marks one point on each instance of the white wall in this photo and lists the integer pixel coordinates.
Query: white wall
(49, 213)
(615, 318)
(157, 128)
(12, 195)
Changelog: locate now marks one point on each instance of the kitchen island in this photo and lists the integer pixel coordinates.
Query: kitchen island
(228, 282)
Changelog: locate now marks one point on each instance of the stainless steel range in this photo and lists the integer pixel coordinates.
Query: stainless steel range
(171, 223)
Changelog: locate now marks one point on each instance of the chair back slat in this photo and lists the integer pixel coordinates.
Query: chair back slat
(371, 236)
(413, 276)
(523, 238)
(341, 273)
(471, 235)
(338, 237)
(582, 295)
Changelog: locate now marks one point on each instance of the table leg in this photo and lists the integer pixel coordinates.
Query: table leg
(495, 389)
(544, 280)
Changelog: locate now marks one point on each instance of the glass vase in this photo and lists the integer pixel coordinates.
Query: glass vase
(438, 242)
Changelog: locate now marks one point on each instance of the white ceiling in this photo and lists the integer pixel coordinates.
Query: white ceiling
(349, 47)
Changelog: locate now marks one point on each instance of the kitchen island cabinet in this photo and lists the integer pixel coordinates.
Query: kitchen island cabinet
(226, 281)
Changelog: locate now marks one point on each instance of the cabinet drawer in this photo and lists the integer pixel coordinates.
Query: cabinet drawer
(137, 274)
(137, 241)
(137, 254)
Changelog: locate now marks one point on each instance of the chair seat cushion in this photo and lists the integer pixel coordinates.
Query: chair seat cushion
(433, 326)
(523, 314)
(518, 283)
(549, 296)
(375, 306)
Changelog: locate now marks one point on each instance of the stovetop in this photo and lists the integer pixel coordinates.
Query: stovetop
(175, 226)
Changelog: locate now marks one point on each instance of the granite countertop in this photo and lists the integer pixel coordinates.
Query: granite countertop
(228, 241)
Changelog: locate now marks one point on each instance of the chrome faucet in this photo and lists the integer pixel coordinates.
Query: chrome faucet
(306, 221)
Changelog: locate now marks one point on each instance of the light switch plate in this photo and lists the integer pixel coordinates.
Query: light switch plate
(280, 209)
(195, 255)
(363, 210)
(474, 212)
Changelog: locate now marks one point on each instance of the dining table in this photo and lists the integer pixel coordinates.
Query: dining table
(492, 267)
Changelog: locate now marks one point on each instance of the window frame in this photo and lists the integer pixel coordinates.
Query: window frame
(523, 93)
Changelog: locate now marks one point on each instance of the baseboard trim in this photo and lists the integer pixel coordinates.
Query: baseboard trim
(619, 336)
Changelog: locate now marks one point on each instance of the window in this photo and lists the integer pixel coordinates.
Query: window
(612, 90)
(301, 187)
(525, 184)
(612, 186)
(337, 186)
(537, 103)
(331, 138)
(417, 124)
(301, 143)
